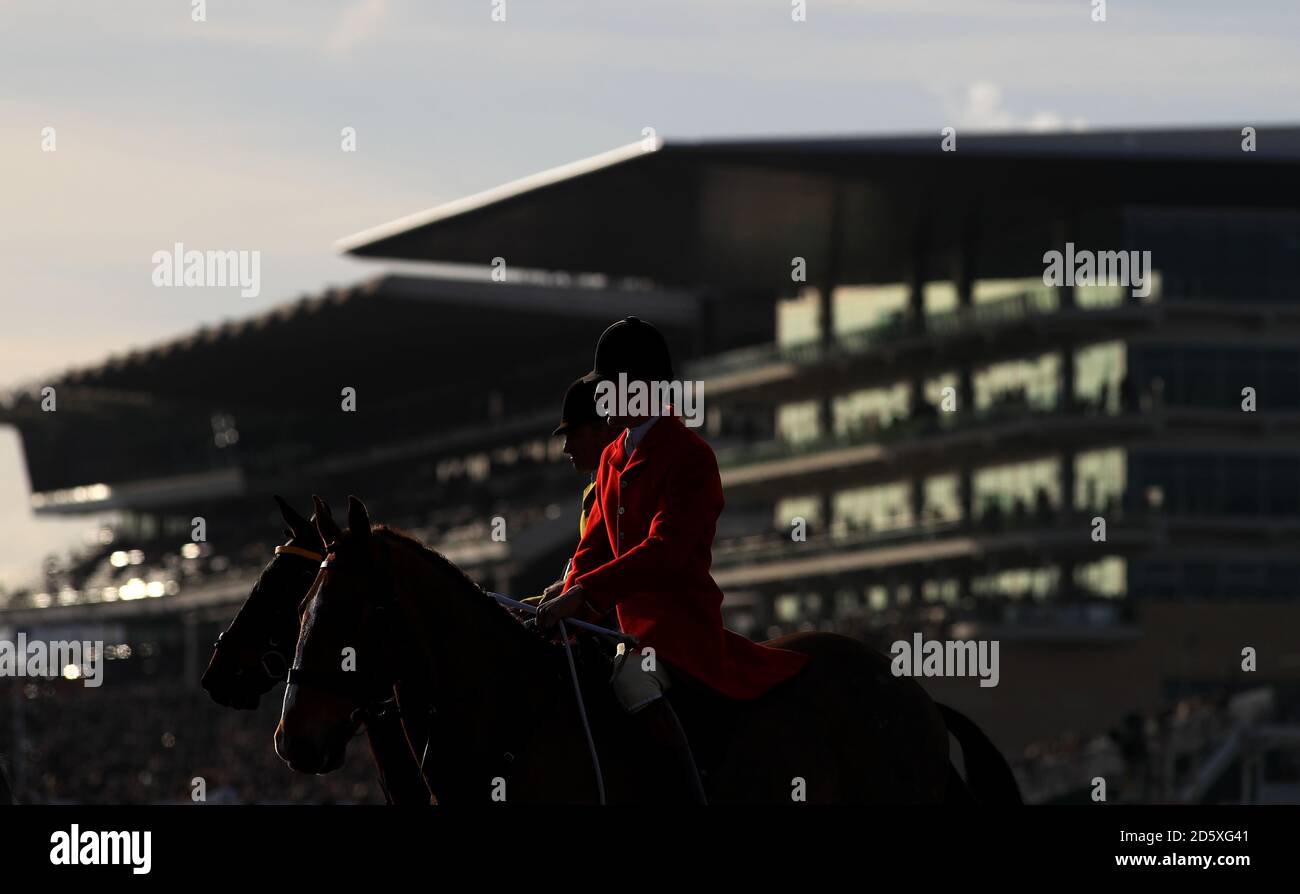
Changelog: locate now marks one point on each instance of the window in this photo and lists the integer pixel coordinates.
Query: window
(1099, 479)
(798, 423)
(1019, 383)
(791, 508)
(797, 318)
(1219, 254)
(939, 297)
(884, 507)
(1018, 487)
(992, 291)
(1107, 578)
(942, 498)
(864, 307)
(1017, 583)
(1099, 372)
(862, 412)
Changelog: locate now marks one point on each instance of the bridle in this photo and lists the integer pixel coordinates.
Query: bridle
(373, 691)
(284, 660)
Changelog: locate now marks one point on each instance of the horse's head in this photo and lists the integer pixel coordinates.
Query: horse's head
(340, 671)
(255, 653)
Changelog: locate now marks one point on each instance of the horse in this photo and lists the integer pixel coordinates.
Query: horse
(386, 607)
(6, 793)
(254, 654)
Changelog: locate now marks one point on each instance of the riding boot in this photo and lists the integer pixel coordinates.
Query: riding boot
(659, 722)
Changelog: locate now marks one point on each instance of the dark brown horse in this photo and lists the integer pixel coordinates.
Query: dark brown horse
(254, 655)
(6, 793)
(845, 730)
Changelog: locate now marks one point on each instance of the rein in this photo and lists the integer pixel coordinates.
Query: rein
(573, 675)
(373, 692)
(380, 702)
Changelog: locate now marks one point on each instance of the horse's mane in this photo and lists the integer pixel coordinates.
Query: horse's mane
(446, 566)
(528, 645)
(428, 553)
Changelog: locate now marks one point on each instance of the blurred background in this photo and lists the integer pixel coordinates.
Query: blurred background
(829, 292)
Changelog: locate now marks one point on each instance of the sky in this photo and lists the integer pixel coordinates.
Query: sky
(226, 133)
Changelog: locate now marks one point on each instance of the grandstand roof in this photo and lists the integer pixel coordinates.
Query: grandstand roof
(436, 324)
(433, 363)
(734, 211)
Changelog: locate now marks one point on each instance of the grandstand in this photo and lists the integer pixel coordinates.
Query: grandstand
(925, 278)
(947, 426)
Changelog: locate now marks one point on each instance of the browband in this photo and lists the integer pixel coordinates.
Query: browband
(298, 551)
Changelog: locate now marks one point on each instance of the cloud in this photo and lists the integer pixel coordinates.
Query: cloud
(359, 22)
(982, 109)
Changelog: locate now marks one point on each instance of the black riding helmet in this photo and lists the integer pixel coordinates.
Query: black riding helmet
(579, 406)
(634, 347)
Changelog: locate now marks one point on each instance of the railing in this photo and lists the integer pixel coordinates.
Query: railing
(899, 430)
(858, 341)
(1051, 609)
(777, 545)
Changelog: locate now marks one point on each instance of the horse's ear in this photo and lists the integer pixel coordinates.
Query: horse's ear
(358, 518)
(325, 524)
(298, 526)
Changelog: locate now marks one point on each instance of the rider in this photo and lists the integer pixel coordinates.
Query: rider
(647, 550)
(585, 436)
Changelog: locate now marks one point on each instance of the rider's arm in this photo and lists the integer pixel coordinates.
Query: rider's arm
(593, 548)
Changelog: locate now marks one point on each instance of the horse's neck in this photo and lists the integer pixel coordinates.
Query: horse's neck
(465, 657)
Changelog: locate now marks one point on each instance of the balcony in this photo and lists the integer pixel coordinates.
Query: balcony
(923, 445)
(772, 559)
(1051, 619)
(1010, 430)
(979, 332)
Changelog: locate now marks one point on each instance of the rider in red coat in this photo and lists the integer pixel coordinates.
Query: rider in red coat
(647, 550)
(648, 553)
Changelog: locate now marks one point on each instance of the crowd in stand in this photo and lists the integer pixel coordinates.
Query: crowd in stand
(147, 742)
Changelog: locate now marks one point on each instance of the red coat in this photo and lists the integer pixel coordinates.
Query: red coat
(647, 550)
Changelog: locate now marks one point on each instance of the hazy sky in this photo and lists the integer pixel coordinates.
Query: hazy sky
(226, 133)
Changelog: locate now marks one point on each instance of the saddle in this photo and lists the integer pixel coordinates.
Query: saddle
(708, 716)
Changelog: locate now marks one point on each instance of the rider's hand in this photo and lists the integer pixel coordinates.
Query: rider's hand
(566, 605)
(523, 614)
(553, 591)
